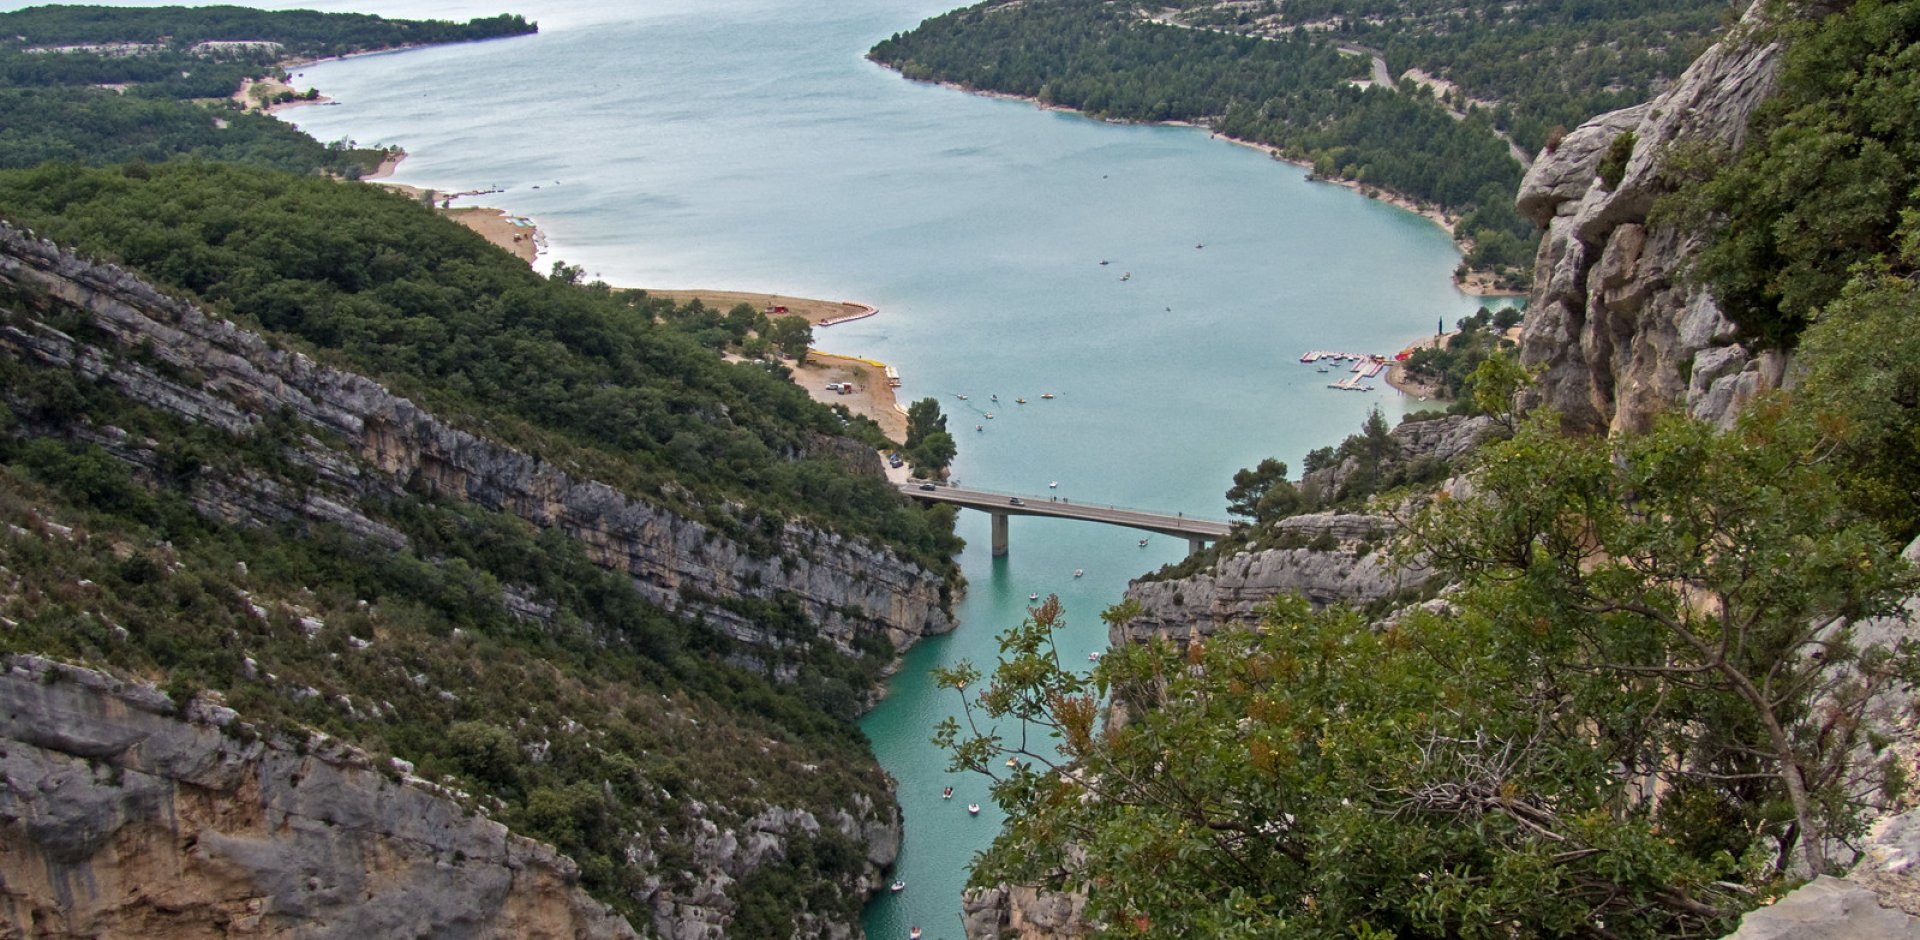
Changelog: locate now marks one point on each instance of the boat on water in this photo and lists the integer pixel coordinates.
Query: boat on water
(989, 416)
(979, 427)
(1143, 543)
(1053, 484)
(973, 809)
(1127, 276)
(1093, 657)
(913, 934)
(1046, 394)
(960, 396)
(1078, 572)
(898, 887)
(1033, 597)
(1019, 401)
(1103, 262)
(947, 794)
(994, 397)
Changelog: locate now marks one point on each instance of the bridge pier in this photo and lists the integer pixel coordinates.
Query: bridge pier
(999, 533)
(1195, 546)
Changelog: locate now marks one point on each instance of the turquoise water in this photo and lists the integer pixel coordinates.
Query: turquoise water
(745, 144)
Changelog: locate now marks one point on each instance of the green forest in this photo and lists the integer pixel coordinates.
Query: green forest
(1543, 65)
(1639, 710)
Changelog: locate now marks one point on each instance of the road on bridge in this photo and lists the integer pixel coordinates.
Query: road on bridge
(1001, 505)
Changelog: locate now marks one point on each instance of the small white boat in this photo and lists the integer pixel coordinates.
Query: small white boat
(960, 396)
(1054, 485)
(1093, 657)
(898, 887)
(913, 934)
(994, 397)
(1012, 763)
(1127, 276)
(973, 809)
(947, 794)
(1077, 572)
(1019, 401)
(1046, 394)
(989, 416)
(1033, 597)
(1143, 543)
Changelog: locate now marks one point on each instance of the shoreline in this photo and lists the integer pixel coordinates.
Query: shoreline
(1474, 284)
(873, 397)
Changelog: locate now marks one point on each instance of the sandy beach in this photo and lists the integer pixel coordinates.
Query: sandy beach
(1397, 372)
(817, 312)
(872, 397)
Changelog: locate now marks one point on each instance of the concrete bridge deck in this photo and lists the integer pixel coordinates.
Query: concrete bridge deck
(1197, 532)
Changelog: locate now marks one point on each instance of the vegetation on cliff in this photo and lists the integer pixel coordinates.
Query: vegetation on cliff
(1829, 182)
(1637, 717)
(1640, 712)
(494, 657)
(618, 383)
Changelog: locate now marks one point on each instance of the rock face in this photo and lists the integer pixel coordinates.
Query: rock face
(1335, 558)
(1877, 900)
(211, 371)
(1237, 588)
(1618, 335)
(1023, 913)
(1440, 439)
(120, 819)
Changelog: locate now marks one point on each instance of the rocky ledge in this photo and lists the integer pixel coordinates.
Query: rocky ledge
(121, 818)
(1615, 330)
(169, 354)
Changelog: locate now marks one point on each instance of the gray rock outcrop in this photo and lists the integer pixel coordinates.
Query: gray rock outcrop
(119, 818)
(1617, 332)
(210, 371)
(1235, 590)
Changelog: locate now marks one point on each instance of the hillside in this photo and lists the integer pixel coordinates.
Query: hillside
(1661, 665)
(309, 477)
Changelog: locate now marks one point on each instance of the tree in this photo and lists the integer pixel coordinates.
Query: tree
(931, 456)
(1263, 493)
(1318, 778)
(1720, 570)
(1638, 713)
(792, 335)
(923, 418)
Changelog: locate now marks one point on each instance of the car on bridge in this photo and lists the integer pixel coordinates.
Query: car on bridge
(928, 487)
(1016, 501)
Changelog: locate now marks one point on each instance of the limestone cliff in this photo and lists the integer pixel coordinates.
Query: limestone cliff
(121, 818)
(171, 355)
(1326, 557)
(1237, 587)
(1617, 332)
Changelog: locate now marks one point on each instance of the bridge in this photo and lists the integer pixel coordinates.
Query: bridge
(1197, 532)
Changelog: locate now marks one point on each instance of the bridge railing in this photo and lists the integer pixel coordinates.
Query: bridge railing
(1030, 501)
